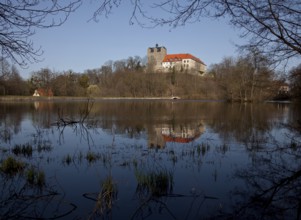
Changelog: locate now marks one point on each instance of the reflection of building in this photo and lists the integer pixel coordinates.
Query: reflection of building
(283, 93)
(185, 135)
(180, 134)
(44, 106)
(284, 89)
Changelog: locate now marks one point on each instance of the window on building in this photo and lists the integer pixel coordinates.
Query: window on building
(151, 50)
(158, 49)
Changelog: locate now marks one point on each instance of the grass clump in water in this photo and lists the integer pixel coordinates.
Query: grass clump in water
(156, 183)
(106, 197)
(35, 177)
(24, 149)
(11, 166)
(92, 157)
(135, 163)
(44, 147)
(67, 159)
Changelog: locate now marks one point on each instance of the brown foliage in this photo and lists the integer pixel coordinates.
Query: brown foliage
(141, 84)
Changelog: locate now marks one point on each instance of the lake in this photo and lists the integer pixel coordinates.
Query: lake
(149, 159)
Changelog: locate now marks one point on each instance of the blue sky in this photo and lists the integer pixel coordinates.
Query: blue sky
(80, 44)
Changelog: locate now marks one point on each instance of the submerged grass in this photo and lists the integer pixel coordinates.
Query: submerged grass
(67, 159)
(135, 163)
(35, 177)
(92, 156)
(23, 149)
(28, 149)
(44, 147)
(202, 149)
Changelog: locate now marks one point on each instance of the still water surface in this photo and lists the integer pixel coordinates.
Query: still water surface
(151, 160)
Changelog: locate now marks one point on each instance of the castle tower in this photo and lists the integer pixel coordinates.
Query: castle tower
(155, 56)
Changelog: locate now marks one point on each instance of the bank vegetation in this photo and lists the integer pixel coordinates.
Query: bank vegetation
(246, 78)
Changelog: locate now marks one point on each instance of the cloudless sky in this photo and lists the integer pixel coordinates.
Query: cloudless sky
(80, 44)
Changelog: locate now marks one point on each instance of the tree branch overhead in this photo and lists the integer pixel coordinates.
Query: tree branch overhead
(271, 25)
(19, 20)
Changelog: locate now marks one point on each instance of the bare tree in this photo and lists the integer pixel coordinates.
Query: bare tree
(134, 63)
(14, 83)
(119, 65)
(295, 82)
(271, 25)
(4, 69)
(246, 78)
(19, 19)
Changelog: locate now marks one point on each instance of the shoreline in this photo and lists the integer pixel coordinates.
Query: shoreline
(70, 98)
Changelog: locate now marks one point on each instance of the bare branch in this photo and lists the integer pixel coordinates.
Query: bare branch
(18, 21)
(272, 25)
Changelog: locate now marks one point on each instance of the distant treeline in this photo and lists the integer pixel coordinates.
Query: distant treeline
(245, 78)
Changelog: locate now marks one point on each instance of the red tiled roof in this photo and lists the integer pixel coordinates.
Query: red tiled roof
(177, 139)
(170, 138)
(180, 57)
(44, 92)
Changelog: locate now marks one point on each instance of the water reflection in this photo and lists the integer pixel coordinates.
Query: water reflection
(179, 121)
(272, 183)
(151, 159)
(159, 136)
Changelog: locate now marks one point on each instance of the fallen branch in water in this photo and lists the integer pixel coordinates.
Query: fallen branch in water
(83, 115)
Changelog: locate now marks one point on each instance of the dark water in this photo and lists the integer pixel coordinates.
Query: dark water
(151, 160)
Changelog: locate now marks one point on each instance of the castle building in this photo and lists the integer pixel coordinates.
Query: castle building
(160, 61)
(155, 56)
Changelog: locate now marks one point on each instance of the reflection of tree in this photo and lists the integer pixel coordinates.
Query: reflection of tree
(25, 193)
(274, 184)
(11, 116)
(133, 118)
(80, 125)
(245, 122)
(294, 118)
(20, 199)
(81, 130)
